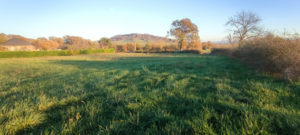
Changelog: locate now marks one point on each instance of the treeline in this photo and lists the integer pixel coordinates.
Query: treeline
(61, 43)
(79, 43)
(157, 47)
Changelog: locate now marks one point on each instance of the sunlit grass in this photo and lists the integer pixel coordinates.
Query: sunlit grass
(143, 94)
(22, 54)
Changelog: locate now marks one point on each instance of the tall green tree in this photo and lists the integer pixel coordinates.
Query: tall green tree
(105, 43)
(185, 32)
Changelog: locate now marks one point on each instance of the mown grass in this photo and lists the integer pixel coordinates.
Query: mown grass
(143, 94)
(17, 54)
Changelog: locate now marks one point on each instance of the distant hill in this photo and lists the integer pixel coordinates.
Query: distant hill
(220, 42)
(141, 39)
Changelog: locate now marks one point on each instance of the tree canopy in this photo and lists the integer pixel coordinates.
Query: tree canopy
(3, 38)
(105, 43)
(185, 32)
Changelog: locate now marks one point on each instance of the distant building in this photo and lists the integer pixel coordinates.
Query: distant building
(17, 44)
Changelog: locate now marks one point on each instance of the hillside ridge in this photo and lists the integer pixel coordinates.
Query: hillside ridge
(141, 39)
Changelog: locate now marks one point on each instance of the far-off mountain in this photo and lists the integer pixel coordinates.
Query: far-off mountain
(141, 39)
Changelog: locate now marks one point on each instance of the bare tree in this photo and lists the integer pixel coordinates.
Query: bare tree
(230, 39)
(244, 25)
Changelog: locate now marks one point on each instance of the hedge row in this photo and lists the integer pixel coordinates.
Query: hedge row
(17, 54)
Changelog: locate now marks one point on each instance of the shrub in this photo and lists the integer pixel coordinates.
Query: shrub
(3, 48)
(131, 47)
(272, 54)
(223, 49)
(84, 52)
(121, 48)
(139, 48)
(156, 48)
(147, 48)
(44, 44)
(170, 48)
(207, 45)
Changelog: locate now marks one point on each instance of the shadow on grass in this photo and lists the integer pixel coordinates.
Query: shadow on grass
(180, 108)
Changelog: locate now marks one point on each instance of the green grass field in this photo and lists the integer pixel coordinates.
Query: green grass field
(143, 94)
(22, 54)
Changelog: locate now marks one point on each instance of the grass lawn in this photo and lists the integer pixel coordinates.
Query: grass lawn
(22, 54)
(143, 94)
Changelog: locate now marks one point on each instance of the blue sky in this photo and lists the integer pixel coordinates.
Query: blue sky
(94, 19)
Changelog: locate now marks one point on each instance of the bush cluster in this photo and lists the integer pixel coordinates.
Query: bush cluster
(272, 54)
